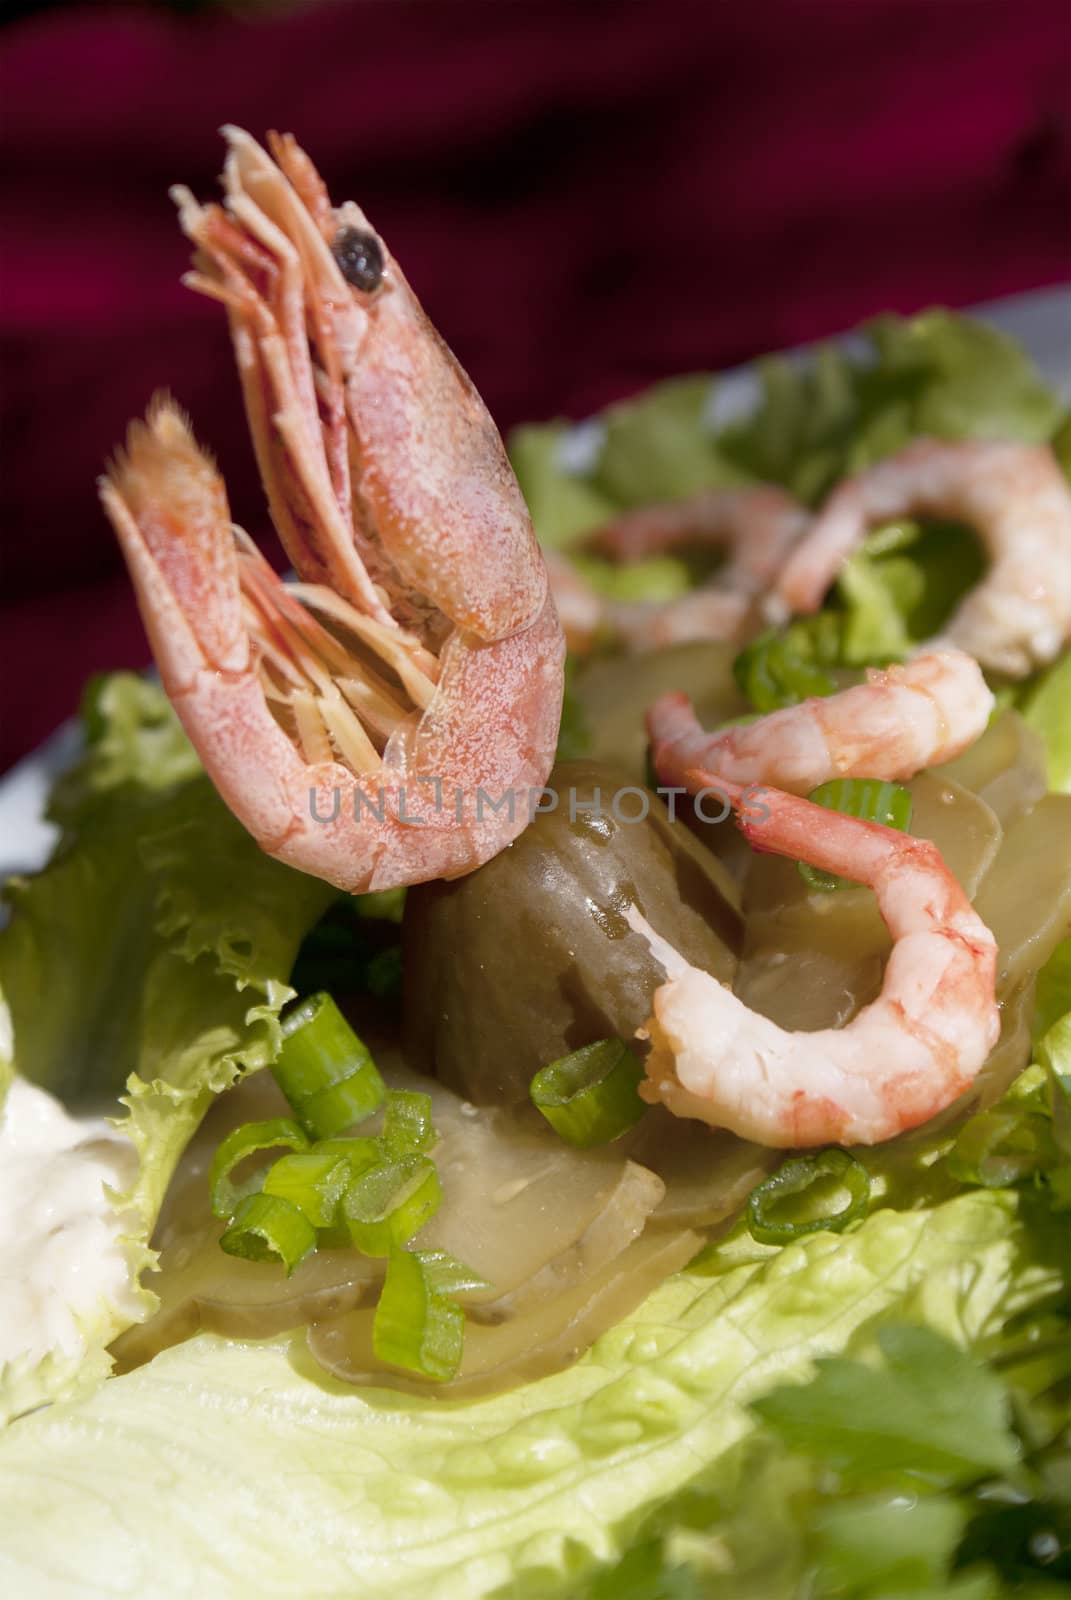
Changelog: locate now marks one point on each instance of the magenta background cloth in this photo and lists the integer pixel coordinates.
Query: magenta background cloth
(586, 197)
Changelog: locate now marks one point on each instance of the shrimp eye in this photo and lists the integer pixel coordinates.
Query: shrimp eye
(360, 256)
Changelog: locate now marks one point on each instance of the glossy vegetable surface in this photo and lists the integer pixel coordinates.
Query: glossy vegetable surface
(613, 693)
(529, 958)
(536, 1218)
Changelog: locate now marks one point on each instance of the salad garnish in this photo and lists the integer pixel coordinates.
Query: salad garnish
(797, 1177)
(325, 1070)
(870, 800)
(668, 1352)
(589, 1097)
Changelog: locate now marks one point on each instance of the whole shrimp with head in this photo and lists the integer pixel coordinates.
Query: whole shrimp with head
(897, 1063)
(382, 721)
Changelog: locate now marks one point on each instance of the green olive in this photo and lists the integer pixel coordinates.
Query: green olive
(531, 957)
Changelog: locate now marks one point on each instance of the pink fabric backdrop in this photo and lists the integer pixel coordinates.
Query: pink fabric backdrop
(586, 196)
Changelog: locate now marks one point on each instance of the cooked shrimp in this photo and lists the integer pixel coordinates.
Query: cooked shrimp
(588, 616)
(899, 1061)
(379, 722)
(757, 526)
(1018, 501)
(901, 720)
(709, 612)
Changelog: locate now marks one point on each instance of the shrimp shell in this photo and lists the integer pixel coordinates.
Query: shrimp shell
(384, 721)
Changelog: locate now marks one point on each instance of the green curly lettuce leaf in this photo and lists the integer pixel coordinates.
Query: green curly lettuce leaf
(938, 373)
(901, 586)
(145, 966)
(564, 505)
(819, 418)
(278, 1480)
(911, 1467)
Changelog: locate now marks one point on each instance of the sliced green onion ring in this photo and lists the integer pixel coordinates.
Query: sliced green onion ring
(781, 668)
(869, 799)
(266, 1227)
(325, 1070)
(382, 905)
(796, 1177)
(407, 1125)
(275, 1133)
(313, 1180)
(359, 1153)
(417, 1327)
(385, 1206)
(1001, 1146)
(589, 1097)
(445, 1274)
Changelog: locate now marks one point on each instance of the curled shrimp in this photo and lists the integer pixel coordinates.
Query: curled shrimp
(900, 1060)
(1016, 498)
(904, 718)
(381, 721)
(756, 526)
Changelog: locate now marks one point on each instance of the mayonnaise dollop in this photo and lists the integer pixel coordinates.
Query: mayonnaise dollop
(60, 1255)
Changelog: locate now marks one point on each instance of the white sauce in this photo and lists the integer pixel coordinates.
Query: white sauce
(60, 1255)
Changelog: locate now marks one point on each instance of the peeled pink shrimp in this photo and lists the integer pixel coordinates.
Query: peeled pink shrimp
(757, 526)
(586, 615)
(904, 718)
(899, 1061)
(1016, 498)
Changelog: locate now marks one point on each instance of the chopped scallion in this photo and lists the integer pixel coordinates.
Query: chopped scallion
(869, 799)
(381, 905)
(325, 1070)
(407, 1125)
(782, 667)
(389, 1203)
(416, 1326)
(313, 1180)
(445, 1274)
(589, 1097)
(795, 1177)
(1001, 1146)
(266, 1227)
(248, 1140)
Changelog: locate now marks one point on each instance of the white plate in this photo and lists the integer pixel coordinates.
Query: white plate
(1040, 321)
